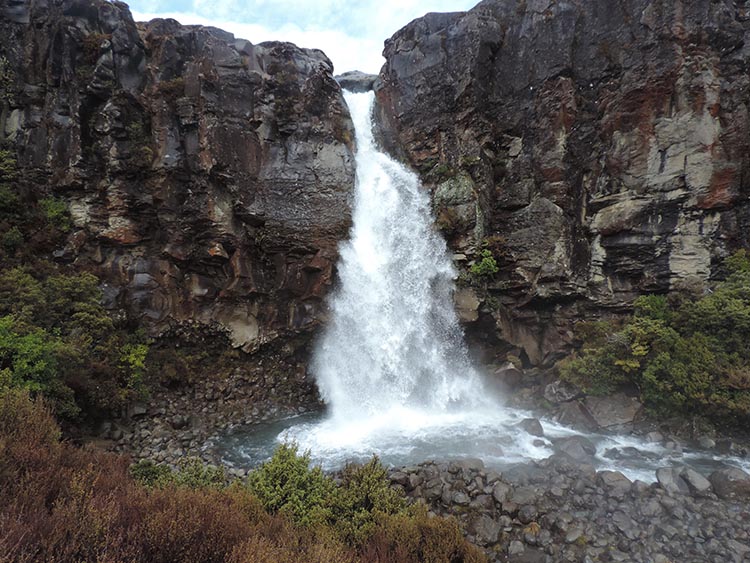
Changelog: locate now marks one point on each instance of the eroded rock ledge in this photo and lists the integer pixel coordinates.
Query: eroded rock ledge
(599, 149)
(208, 178)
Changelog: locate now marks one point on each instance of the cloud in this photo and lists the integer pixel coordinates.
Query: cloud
(350, 33)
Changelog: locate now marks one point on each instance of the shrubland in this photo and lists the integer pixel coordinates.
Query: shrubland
(60, 503)
(686, 353)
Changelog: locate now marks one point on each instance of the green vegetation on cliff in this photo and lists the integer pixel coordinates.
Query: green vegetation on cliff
(56, 338)
(685, 353)
(60, 504)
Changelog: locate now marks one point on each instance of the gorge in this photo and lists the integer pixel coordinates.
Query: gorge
(515, 265)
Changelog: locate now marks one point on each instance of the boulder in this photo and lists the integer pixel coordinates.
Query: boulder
(613, 411)
(578, 448)
(670, 479)
(576, 415)
(356, 81)
(561, 392)
(697, 483)
(532, 426)
(731, 484)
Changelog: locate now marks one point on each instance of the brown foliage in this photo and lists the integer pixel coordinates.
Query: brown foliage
(60, 504)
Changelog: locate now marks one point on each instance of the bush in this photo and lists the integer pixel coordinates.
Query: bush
(62, 504)
(486, 266)
(55, 211)
(685, 354)
(12, 239)
(415, 536)
(287, 484)
(58, 340)
(365, 494)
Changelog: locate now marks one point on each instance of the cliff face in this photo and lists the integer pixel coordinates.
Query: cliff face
(600, 149)
(208, 178)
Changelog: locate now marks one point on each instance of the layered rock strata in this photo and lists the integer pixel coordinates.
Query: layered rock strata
(599, 150)
(208, 179)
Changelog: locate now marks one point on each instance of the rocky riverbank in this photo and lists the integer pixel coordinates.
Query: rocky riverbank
(178, 423)
(562, 510)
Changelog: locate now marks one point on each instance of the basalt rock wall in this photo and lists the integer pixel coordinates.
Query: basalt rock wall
(208, 179)
(599, 149)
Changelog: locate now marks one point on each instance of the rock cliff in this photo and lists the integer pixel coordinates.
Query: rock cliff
(208, 179)
(598, 149)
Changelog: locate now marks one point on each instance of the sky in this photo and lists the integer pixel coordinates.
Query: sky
(350, 32)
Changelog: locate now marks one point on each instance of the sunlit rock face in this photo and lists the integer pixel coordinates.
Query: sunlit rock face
(601, 146)
(208, 178)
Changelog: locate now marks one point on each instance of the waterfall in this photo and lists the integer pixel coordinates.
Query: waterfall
(394, 339)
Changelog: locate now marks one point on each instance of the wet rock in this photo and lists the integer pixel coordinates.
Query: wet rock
(577, 447)
(613, 411)
(532, 426)
(576, 415)
(706, 443)
(731, 484)
(507, 377)
(356, 81)
(655, 437)
(560, 392)
(670, 478)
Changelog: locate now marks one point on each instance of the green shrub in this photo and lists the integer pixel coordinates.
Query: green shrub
(56, 213)
(364, 495)
(191, 473)
(486, 266)
(12, 239)
(287, 484)
(685, 354)
(85, 363)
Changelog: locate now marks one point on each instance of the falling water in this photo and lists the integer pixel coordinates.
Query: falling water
(392, 366)
(394, 340)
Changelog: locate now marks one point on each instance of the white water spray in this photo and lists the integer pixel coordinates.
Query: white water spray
(394, 340)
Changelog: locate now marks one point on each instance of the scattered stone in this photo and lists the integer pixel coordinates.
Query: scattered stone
(486, 530)
(515, 548)
(527, 513)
